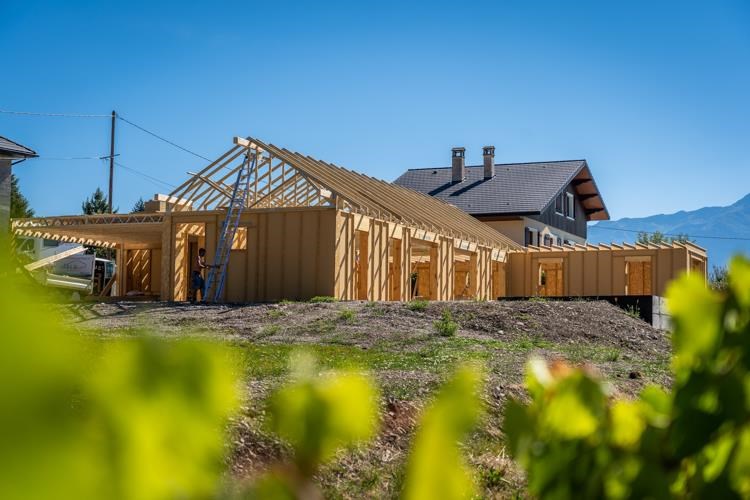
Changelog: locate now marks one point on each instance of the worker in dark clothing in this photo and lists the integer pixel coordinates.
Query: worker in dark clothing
(198, 282)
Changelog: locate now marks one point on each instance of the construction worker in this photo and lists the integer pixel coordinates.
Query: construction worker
(198, 282)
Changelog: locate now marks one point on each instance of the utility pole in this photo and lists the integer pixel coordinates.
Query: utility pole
(111, 158)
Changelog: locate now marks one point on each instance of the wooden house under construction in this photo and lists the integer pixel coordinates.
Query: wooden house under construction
(310, 228)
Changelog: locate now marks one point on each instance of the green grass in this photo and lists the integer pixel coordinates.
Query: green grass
(530, 342)
(417, 305)
(319, 299)
(272, 360)
(269, 330)
(633, 312)
(347, 316)
(276, 313)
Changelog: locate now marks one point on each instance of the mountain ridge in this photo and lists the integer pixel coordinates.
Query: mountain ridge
(709, 227)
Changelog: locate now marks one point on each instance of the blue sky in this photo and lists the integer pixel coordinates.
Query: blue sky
(653, 94)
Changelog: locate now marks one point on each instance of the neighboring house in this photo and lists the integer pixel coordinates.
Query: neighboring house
(534, 204)
(10, 152)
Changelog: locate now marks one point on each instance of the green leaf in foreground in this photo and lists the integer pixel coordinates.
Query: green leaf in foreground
(436, 468)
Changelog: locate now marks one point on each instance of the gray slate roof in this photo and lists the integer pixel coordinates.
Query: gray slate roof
(516, 188)
(10, 148)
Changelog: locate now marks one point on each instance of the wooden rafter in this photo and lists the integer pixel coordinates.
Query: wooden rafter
(283, 178)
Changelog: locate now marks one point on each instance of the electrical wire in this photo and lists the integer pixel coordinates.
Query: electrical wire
(737, 238)
(61, 158)
(163, 139)
(64, 115)
(145, 175)
(118, 116)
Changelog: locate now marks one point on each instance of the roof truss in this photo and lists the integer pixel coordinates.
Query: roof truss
(282, 178)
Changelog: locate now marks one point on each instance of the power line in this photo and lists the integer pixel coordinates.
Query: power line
(145, 175)
(163, 139)
(59, 115)
(83, 115)
(60, 158)
(673, 235)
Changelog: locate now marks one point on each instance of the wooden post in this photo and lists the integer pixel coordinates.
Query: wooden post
(111, 158)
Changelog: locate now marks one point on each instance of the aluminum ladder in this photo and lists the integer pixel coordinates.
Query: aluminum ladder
(218, 273)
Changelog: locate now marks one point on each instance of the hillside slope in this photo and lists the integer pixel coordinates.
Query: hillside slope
(399, 346)
(721, 222)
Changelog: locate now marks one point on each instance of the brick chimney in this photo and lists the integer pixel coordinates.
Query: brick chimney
(458, 168)
(489, 161)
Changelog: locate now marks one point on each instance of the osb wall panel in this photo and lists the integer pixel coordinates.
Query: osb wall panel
(289, 254)
(595, 272)
(138, 271)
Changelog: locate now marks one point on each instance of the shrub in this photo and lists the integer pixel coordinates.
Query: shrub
(417, 305)
(445, 326)
(318, 299)
(691, 442)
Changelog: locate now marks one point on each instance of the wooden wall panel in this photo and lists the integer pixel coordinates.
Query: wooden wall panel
(138, 270)
(156, 263)
(599, 271)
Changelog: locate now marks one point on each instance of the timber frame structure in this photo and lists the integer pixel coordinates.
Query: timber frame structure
(309, 228)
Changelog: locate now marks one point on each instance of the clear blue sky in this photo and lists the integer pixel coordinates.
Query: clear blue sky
(655, 95)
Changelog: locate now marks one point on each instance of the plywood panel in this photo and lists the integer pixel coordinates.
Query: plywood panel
(156, 263)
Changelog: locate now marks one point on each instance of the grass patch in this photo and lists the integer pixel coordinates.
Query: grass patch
(321, 299)
(272, 360)
(612, 355)
(269, 330)
(633, 312)
(322, 326)
(276, 313)
(445, 326)
(417, 305)
(530, 342)
(347, 316)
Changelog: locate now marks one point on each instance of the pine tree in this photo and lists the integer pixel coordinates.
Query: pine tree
(139, 206)
(19, 205)
(97, 204)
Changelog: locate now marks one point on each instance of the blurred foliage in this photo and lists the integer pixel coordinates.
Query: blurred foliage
(317, 414)
(435, 468)
(85, 419)
(576, 442)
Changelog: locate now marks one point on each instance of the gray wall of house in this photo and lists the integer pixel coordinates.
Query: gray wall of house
(576, 226)
(5, 170)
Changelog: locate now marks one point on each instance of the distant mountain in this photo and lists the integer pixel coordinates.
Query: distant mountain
(732, 221)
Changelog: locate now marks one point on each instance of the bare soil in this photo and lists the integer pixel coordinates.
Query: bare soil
(402, 350)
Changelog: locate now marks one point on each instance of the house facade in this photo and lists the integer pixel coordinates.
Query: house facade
(10, 152)
(535, 204)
